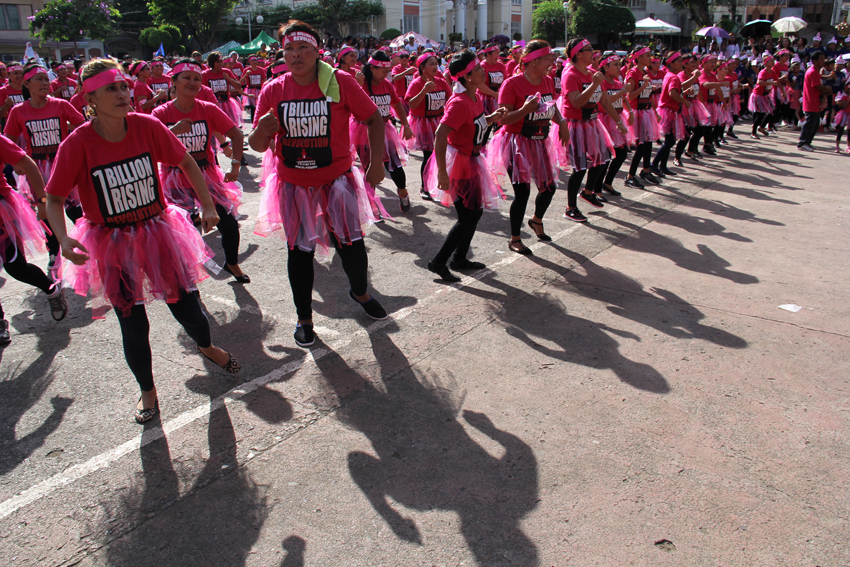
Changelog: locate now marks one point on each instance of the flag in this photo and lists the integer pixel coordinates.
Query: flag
(160, 52)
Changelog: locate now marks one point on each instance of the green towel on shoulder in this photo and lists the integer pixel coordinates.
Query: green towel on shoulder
(327, 81)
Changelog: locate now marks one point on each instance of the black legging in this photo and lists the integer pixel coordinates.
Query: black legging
(574, 184)
(74, 213)
(718, 133)
(680, 147)
(398, 177)
(25, 272)
(643, 152)
(613, 167)
(299, 265)
(699, 132)
(663, 154)
(460, 235)
(228, 227)
(758, 121)
(522, 191)
(425, 155)
(135, 332)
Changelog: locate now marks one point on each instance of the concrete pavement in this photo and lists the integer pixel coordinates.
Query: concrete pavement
(630, 395)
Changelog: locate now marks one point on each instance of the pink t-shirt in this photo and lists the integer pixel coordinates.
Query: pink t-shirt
(764, 75)
(496, 75)
(9, 153)
(141, 94)
(468, 123)
(206, 118)
(401, 83)
(8, 92)
(672, 82)
(511, 67)
(693, 90)
(43, 129)
(217, 82)
(811, 94)
(313, 140)
(612, 89)
(162, 83)
(254, 78)
(515, 91)
(118, 183)
(78, 101)
(384, 96)
(644, 99)
(707, 95)
(575, 81)
(62, 90)
(434, 101)
(205, 93)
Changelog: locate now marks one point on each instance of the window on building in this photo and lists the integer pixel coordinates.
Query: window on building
(411, 23)
(9, 17)
(516, 2)
(637, 4)
(516, 27)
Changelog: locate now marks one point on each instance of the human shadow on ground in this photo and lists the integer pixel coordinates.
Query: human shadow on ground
(424, 459)
(294, 547)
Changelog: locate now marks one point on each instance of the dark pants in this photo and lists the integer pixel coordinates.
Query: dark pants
(522, 191)
(25, 272)
(663, 154)
(425, 156)
(810, 128)
(355, 263)
(74, 213)
(593, 177)
(680, 147)
(643, 152)
(398, 177)
(758, 121)
(460, 235)
(135, 332)
(228, 227)
(699, 132)
(613, 167)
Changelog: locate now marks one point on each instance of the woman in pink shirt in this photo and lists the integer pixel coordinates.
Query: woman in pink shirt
(145, 99)
(761, 101)
(670, 105)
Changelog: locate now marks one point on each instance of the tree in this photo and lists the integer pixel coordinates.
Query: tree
(517, 36)
(727, 24)
(547, 21)
(390, 33)
(593, 17)
(74, 20)
(328, 14)
(134, 16)
(733, 11)
(200, 18)
(698, 10)
(167, 35)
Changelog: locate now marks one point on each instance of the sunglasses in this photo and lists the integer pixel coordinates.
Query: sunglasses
(404, 56)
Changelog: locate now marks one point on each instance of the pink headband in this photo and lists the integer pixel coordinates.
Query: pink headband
(383, 64)
(344, 52)
(472, 65)
(673, 57)
(783, 52)
(102, 79)
(609, 59)
(252, 58)
(542, 52)
(193, 67)
(300, 36)
(33, 72)
(581, 45)
(487, 50)
(137, 66)
(423, 58)
(157, 64)
(60, 66)
(640, 52)
(282, 68)
(15, 67)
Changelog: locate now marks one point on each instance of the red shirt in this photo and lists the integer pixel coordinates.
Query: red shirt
(9, 153)
(78, 101)
(118, 183)
(706, 94)
(811, 94)
(693, 90)
(62, 90)
(7, 91)
(468, 123)
(511, 67)
(434, 101)
(206, 118)
(217, 82)
(162, 83)
(313, 141)
(141, 94)
(401, 86)
(237, 68)
(515, 91)
(575, 81)
(206, 94)
(612, 89)
(384, 96)
(635, 77)
(254, 78)
(496, 75)
(43, 129)
(672, 82)
(765, 75)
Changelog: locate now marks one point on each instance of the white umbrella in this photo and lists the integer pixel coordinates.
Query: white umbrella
(669, 28)
(789, 24)
(648, 25)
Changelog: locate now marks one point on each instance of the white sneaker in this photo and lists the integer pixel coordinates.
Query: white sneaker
(806, 148)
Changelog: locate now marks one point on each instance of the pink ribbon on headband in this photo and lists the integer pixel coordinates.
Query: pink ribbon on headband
(574, 51)
(193, 67)
(640, 52)
(673, 57)
(487, 50)
(33, 72)
(16, 67)
(278, 69)
(343, 52)
(423, 58)
(300, 36)
(609, 59)
(60, 66)
(472, 65)
(137, 66)
(538, 53)
(102, 79)
(382, 64)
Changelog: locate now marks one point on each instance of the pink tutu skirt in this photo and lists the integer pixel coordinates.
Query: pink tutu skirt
(523, 160)
(268, 166)
(179, 191)
(490, 104)
(19, 226)
(395, 151)
(617, 139)
(715, 117)
(590, 145)
(251, 95)
(794, 98)
(308, 217)
(645, 128)
(696, 115)
(159, 258)
(735, 104)
(672, 123)
(761, 103)
(45, 166)
(471, 180)
(842, 118)
(233, 109)
(780, 96)
(724, 116)
(423, 133)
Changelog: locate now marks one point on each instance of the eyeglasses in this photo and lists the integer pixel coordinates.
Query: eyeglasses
(585, 49)
(404, 56)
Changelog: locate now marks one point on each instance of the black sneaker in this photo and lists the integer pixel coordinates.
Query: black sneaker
(601, 197)
(443, 271)
(678, 163)
(5, 337)
(611, 191)
(656, 172)
(404, 203)
(732, 135)
(424, 194)
(58, 305)
(304, 335)
(466, 264)
(632, 181)
(575, 215)
(649, 178)
(709, 150)
(666, 171)
(591, 198)
(372, 308)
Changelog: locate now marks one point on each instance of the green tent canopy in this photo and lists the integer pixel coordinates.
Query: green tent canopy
(255, 45)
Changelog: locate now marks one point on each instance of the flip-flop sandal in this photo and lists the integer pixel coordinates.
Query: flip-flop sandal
(232, 366)
(146, 414)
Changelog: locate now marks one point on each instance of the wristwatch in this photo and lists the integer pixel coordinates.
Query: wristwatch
(43, 200)
(235, 162)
